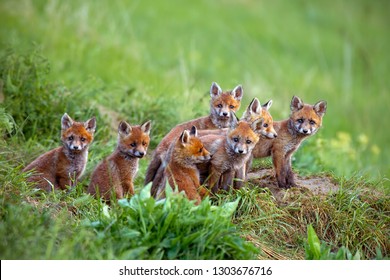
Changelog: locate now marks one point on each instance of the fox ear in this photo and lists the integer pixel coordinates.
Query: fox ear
(146, 127)
(254, 108)
(267, 105)
(320, 108)
(124, 129)
(185, 137)
(90, 125)
(215, 90)
(66, 122)
(257, 125)
(238, 92)
(235, 120)
(194, 131)
(296, 104)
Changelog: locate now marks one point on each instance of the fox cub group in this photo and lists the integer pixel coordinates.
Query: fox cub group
(198, 157)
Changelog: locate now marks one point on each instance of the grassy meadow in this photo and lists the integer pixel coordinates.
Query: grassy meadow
(141, 60)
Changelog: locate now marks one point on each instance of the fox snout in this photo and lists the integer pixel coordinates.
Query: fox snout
(139, 154)
(76, 147)
(270, 135)
(240, 150)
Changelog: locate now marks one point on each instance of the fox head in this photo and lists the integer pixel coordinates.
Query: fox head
(222, 104)
(243, 138)
(306, 119)
(191, 148)
(76, 136)
(133, 141)
(255, 111)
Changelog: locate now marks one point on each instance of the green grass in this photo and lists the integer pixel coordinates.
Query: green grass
(156, 60)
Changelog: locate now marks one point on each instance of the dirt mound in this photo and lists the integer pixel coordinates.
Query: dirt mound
(313, 185)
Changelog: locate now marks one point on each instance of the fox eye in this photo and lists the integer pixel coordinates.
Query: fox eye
(265, 125)
(300, 120)
(82, 139)
(231, 106)
(248, 141)
(133, 144)
(70, 138)
(312, 122)
(144, 143)
(201, 150)
(219, 106)
(235, 139)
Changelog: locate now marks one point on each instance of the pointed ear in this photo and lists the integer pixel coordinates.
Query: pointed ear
(185, 137)
(215, 90)
(257, 125)
(296, 104)
(90, 125)
(320, 108)
(146, 127)
(267, 105)
(238, 92)
(194, 131)
(66, 122)
(235, 120)
(124, 129)
(254, 108)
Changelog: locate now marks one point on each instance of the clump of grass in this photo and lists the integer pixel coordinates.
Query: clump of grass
(354, 217)
(316, 250)
(36, 104)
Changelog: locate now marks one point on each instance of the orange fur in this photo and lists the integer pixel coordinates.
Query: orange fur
(222, 107)
(64, 165)
(116, 173)
(181, 171)
(304, 121)
(230, 154)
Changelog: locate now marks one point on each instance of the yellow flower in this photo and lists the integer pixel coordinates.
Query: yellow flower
(363, 139)
(375, 150)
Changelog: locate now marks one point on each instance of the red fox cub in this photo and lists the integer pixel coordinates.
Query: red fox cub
(181, 169)
(230, 153)
(304, 121)
(253, 112)
(64, 165)
(116, 173)
(221, 106)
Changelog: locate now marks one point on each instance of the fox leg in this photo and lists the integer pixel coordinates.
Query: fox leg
(213, 181)
(227, 179)
(280, 163)
(241, 175)
(290, 181)
(128, 187)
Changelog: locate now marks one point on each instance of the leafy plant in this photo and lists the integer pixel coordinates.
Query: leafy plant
(316, 250)
(173, 228)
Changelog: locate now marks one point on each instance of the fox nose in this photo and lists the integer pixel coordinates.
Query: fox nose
(275, 135)
(305, 131)
(224, 114)
(240, 151)
(75, 147)
(141, 154)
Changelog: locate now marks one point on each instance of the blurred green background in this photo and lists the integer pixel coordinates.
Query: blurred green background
(157, 59)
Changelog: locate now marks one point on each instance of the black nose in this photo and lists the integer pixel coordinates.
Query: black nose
(240, 151)
(75, 147)
(275, 135)
(305, 131)
(141, 154)
(225, 114)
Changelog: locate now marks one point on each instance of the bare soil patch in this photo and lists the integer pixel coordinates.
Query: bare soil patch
(318, 185)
